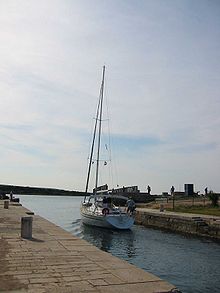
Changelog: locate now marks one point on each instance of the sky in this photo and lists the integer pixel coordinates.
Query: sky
(162, 91)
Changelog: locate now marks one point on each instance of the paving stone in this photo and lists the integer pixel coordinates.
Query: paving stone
(132, 275)
(149, 287)
(97, 282)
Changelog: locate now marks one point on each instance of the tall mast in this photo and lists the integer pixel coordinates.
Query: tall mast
(100, 128)
(98, 118)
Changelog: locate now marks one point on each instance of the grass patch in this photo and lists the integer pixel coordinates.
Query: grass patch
(205, 210)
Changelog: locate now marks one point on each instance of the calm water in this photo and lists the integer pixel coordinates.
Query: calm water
(190, 263)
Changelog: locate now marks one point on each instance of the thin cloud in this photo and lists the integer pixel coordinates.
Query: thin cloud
(162, 86)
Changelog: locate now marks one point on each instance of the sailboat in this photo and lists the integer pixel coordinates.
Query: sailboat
(99, 208)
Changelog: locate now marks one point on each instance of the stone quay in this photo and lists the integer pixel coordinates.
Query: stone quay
(53, 260)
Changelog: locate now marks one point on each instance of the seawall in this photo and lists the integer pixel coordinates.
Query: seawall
(201, 225)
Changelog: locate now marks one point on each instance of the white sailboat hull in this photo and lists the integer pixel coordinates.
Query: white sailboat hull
(121, 221)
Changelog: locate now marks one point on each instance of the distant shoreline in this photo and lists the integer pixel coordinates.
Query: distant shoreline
(28, 190)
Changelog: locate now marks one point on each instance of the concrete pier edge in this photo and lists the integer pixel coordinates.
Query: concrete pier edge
(194, 224)
(54, 260)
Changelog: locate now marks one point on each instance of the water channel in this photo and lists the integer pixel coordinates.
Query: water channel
(190, 263)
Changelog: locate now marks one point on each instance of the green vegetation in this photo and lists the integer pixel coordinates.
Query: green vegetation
(199, 209)
(214, 198)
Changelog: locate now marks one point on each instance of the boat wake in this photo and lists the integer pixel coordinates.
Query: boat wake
(75, 228)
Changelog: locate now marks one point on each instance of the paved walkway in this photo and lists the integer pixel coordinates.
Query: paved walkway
(56, 261)
(180, 215)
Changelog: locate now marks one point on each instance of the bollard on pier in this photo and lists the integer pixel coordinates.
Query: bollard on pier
(26, 227)
(6, 204)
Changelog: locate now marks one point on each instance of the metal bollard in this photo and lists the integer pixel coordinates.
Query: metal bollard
(26, 227)
(6, 204)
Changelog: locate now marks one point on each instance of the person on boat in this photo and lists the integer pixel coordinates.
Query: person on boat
(109, 202)
(105, 202)
(130, 206)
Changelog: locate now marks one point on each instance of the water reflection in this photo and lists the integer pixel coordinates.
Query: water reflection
(110, 240)
(98, 236)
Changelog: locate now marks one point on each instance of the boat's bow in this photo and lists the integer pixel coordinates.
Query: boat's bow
(122, 222)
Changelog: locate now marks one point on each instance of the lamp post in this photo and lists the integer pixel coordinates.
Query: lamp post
(173, 200)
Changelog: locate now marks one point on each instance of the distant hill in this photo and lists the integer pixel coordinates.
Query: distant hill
(37, 190)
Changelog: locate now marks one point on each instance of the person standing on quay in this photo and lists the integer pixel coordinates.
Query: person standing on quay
(172, 189)
(148, 189)
(11, 196)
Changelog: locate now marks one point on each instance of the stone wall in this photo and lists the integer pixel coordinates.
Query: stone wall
(177, 223)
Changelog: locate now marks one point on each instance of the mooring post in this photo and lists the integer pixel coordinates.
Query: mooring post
(6, 204)
(26, 227)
